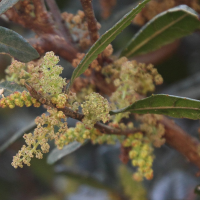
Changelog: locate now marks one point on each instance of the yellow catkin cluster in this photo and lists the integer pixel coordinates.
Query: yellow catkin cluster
(46, 126)
(95, 108)
(131, 79)
(80, 133)
(141, 155)
(79, 28)
(18, 99)
(153, 128)
(155, 7)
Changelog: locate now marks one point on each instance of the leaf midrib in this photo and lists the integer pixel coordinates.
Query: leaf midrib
(154, 35)
(164, 108)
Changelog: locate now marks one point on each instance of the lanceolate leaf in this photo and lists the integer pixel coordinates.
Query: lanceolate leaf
(16, 46)
(17, 135)
(57, 154)
(166, 105)
(105, 40)
(163, 29)
(6, 4)
(9, 88)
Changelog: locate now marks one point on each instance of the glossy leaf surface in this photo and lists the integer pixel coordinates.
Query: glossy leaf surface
(163, 29)
(172, 106)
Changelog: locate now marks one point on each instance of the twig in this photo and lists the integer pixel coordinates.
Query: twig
(91, 20)
(58, 19)
(181, 141)
(78, 116)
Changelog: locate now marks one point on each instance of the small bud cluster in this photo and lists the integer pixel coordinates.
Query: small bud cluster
(79, 28)
(46, 126)
(95, 64)
(153, 128)
(60, 100)
(95, 108)
(141, 155)
(18, 99)
(130, 78)
(80, 133)
(16, 71)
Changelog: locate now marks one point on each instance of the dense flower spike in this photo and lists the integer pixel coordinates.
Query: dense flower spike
(44, 77)
(18, 99)
(131, 79)
(95, 108)
(80, 133)
(46, 130)
(153, 128)
(141, 155)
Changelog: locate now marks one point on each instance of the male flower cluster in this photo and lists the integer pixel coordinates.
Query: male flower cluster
(18, 99)
(46, 130)
(95, 108)
(141, 155)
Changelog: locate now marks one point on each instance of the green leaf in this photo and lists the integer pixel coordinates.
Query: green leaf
(57, 154)
(6, 4)
(105, 40)
(17, 135)
(172, 106)
(16, 46)
(10, 87)
(163, 29)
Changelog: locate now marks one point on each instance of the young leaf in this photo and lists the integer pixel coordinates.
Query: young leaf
(105, 40)
(6, 4)
(17, 135)
(8, 87)
(163, 29)
(172, 106)
(16, 46)
(57, 154)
